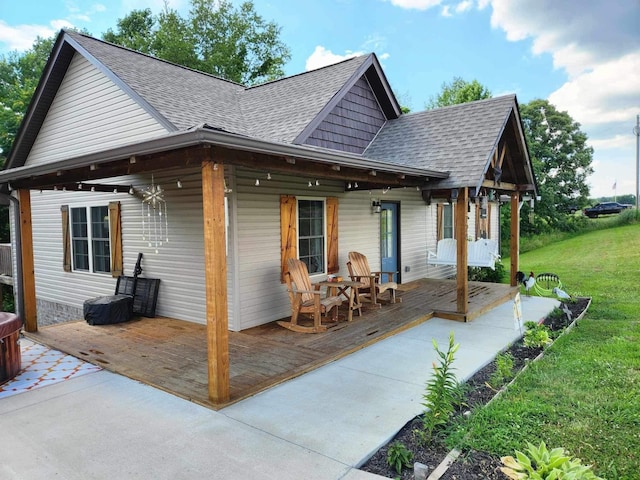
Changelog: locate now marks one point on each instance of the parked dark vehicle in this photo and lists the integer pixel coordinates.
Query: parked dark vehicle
(604, 208)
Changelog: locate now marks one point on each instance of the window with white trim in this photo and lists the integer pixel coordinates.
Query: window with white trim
(447, 221)
(90, 243)
(311, 235)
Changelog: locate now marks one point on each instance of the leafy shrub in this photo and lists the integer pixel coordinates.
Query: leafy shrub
(399, 456)
(542, 464)
(536, 335)
(486, 274)
(443, 393)
(504, 370)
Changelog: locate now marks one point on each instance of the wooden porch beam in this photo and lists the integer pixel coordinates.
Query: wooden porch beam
(215, 259)
(514, 243)
(193, 156)
(28, 270)
(461, 252)
(508, 187)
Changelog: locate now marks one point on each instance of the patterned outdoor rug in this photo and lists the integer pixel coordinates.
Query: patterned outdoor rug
(42, 366)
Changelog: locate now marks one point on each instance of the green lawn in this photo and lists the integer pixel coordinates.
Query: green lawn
(584, 394)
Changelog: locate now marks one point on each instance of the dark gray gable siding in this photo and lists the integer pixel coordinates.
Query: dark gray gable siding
(353, 123)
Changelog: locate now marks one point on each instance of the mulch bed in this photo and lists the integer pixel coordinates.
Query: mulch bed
(470, 465)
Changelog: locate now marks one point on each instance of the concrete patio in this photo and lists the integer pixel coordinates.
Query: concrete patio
(321, 425)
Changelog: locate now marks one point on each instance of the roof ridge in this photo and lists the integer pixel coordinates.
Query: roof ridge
(72, 33)
(465, 104)
(270, 82)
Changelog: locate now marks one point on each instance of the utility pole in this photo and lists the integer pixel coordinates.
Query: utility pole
(636, 132)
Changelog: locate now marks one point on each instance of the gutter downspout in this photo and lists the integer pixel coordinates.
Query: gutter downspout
(17, 281)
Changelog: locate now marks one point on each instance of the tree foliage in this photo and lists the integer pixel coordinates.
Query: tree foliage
(458, 91)
(561, 162)
(231, 42)
(19, 77)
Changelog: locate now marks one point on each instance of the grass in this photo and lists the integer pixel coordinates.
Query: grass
(584, 394)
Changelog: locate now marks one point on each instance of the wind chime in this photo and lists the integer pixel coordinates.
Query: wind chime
(155, 224)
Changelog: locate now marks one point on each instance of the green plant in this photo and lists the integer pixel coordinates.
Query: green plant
(503, 371)
(486, 274)
(536, 335)
(542, 464)
(399, 456)
(442, 392)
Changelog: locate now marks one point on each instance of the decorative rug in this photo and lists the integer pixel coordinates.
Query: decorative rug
(42, 366)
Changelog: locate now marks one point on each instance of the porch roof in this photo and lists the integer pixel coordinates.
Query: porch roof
(240, 150)
(459, 139)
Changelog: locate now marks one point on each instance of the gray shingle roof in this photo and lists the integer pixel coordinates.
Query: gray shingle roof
(276, 111)
(280, 110)
(184, 97)
(458, 139)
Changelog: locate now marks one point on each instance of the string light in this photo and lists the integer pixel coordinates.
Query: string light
(310, 184)
(349, 185)
(268, 176)
(317, 183)
(257, 182)
(355, 185)
(131, 191)
(179, 183)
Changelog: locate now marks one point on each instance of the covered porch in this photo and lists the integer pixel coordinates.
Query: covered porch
(172, 355)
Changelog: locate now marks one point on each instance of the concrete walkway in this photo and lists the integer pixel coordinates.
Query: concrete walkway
(321, 425)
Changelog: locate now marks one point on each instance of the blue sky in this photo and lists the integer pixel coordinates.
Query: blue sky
(581, 55)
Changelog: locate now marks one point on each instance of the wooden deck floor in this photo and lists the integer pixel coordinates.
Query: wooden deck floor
(171, 354)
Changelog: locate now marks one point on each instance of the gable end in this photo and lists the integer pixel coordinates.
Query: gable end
(352, 123)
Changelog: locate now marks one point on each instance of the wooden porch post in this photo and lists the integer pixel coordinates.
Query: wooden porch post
(461, 252)
(28, 270)
(215, 258)
(514, 242)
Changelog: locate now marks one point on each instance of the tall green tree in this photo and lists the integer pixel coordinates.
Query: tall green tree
(231, 42)
(19, 77)
(458, 91)
(135, 31)
(562, 161)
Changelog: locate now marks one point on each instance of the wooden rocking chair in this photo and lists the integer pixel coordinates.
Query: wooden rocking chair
(307, 299)
(359, 271)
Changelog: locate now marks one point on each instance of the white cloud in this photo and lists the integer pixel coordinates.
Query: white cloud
(597, 44)
(21, 37)
(321, 57)
(464, 6)
(610, 92)
(576, 36)
(416, 4)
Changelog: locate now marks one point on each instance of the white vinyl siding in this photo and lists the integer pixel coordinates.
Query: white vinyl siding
(90, 113)
(255, 292)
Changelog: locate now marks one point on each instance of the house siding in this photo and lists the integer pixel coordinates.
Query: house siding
(81, 117)
(353, 123)
(179, 263)
(255, 292)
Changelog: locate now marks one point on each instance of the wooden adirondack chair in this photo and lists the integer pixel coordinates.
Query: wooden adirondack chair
(359, 271)
(307, 299)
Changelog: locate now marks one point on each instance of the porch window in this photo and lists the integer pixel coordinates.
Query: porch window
(92, 239)
(309, 232)
(311, 235)
(447, 221)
